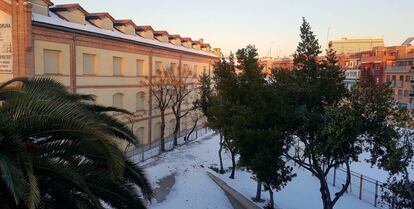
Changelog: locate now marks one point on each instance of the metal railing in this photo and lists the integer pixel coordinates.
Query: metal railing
(147, 151)
(366, 189)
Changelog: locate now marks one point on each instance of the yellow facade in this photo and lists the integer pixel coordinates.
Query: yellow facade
(116, 70)
(355, 45)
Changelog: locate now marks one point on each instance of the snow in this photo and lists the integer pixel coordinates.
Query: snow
(53, 19)
(301, 193)
(367, 170)
(194, 189)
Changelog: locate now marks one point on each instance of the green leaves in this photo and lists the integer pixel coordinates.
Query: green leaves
(12, 177)
(52, 143)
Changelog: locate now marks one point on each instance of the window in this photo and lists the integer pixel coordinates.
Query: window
(140, 101)
(118, 100)
(185, 67)
(140, 134)
(117, 65)
(157, 131)
(174, 69)
(158, 67)
(51, 61)
(172, 126)
(140, 67)
(195, 73)
(89, 64)
(394, 77)
(407, 78)
(388, 78)
(401, 78)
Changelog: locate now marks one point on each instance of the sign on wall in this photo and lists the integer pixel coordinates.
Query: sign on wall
(5, 43)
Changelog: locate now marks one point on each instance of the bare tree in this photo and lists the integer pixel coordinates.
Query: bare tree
(195, 117)
(160, 87)
(181, 84)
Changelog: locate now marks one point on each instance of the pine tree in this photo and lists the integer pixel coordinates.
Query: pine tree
(223, 110)
(308, 48)
(260, 139)
(330, 121)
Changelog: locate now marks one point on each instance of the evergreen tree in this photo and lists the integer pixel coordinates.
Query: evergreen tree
(223, 109)
(261, 139)
(308, 48)
(330, 121)
(204, 102)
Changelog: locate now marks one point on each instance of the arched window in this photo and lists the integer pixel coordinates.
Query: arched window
(140, 134)
(171, 126)
(157, 131)
(118, 100)
(140, 98)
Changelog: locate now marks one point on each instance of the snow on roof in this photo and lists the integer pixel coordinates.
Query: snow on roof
(53, 19)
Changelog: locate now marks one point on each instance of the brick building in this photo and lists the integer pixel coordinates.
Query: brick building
(95, 53)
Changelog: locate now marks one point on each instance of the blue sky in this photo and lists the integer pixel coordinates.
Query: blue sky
(268, 24)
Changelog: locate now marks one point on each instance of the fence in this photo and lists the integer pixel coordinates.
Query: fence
(364, 188)
(147, 151)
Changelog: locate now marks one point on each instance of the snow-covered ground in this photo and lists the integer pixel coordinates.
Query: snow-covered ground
(184, 170)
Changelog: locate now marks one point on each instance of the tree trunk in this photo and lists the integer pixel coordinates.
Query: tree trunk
(258, 197)
(219, 152)
(162, 140)
(187, 138)
(233, 163)
(271, 201)
(177, 115)
(325, 193)
(176, 130)
(325, 198)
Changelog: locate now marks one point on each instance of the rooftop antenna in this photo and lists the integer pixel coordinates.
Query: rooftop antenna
(270, 49)
(327, 37)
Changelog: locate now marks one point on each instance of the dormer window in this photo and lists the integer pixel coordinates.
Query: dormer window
(196, 45)
(175, 39)
(145, 31)
(102, 20)
(162, 36)
(71, 12)
(41, 6)
(186, 42)
(205, 47)
(125, 26)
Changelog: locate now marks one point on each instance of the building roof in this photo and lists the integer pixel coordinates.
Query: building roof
(53, 20)
(197, 42)
(175, 36)
(144, 28)
(58, 21)
(99, 15)
(160, 32)
(124, 22)
(184, 39)
(408, 41)
(48, 2)
(205, 45)
(66, 7)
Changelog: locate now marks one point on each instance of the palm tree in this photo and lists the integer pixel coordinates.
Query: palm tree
(60, 150)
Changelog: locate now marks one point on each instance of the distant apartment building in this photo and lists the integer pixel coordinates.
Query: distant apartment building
(350, 63)
(357, 44)
(94, 53)
(269, 63)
